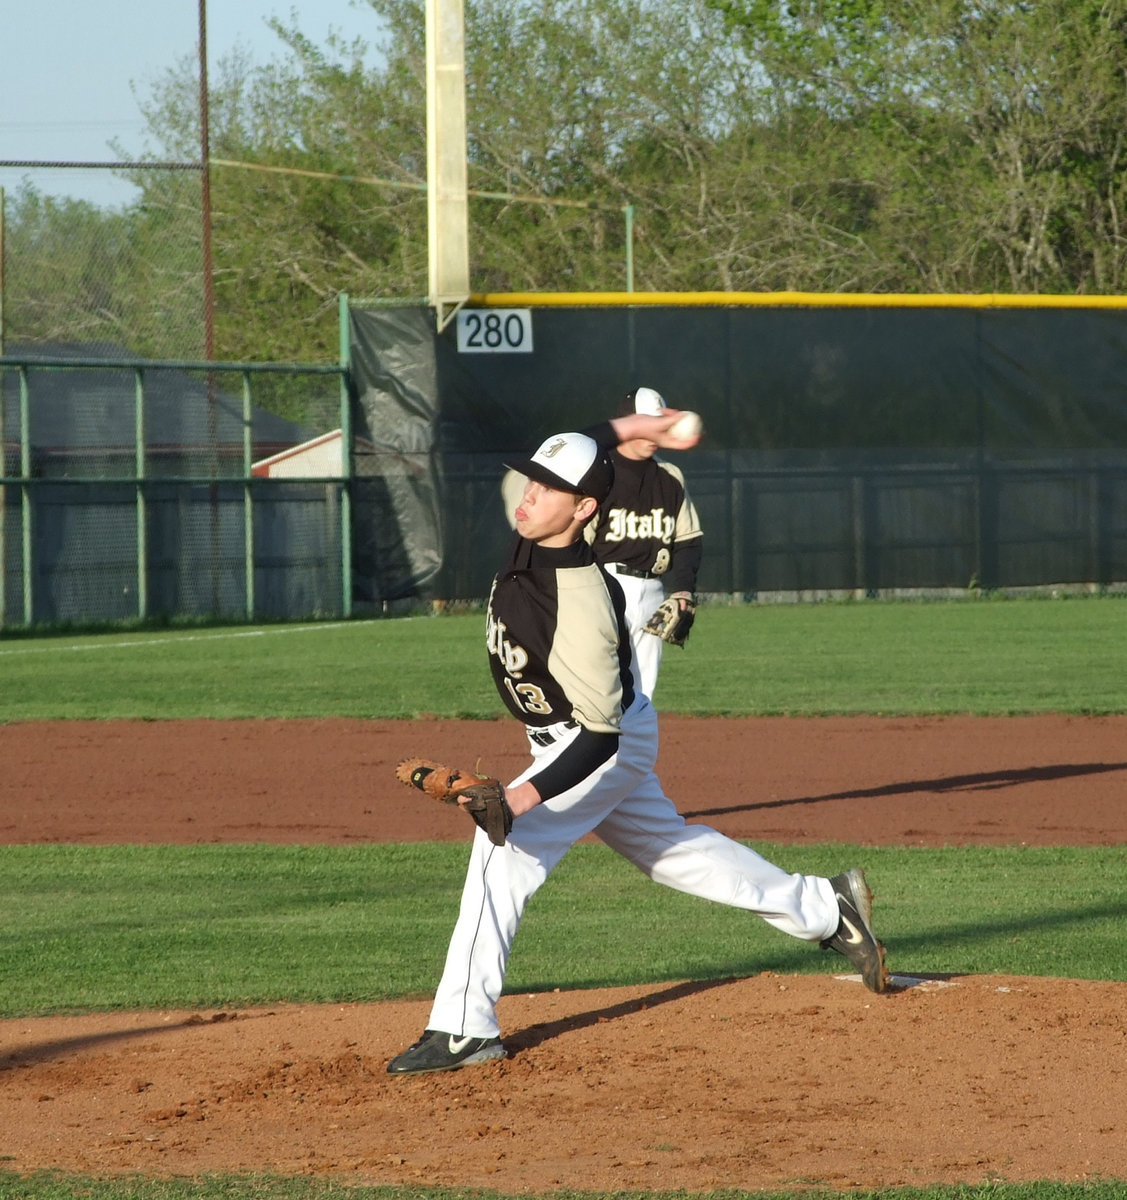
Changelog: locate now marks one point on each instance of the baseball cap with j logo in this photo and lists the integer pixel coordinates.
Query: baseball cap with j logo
(571, 462)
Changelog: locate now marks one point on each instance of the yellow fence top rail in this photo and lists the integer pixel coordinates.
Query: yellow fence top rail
(792, 299)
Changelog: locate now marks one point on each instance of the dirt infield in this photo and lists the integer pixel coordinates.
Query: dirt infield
(771, 1081)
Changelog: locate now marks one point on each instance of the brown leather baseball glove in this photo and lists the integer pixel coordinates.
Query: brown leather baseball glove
(482, 797)
(670, 621)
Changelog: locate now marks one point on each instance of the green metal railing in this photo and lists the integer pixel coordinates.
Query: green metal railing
(142, 480)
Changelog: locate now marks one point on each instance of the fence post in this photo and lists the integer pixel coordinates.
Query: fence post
(1099, 541)
(346, 456)
(25, 495)
(139, 487)
(988, 550)
(248, 500)
(3, 485)
(741, 577)
(3, 446)
(865, 581)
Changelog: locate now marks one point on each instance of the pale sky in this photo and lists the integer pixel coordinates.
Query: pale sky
(70, 67)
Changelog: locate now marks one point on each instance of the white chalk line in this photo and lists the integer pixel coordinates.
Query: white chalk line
(187, 637)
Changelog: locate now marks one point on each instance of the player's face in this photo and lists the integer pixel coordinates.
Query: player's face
(548, 516)
(638, 449)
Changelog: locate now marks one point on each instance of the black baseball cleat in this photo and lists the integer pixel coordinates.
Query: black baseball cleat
(438, 1051)
(855, 938)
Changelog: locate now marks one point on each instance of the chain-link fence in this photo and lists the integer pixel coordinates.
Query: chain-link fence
(140, 489)
(110, 280)
(139, 478)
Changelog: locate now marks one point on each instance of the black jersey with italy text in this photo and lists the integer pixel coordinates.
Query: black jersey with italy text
(648, 523)
(557, 641)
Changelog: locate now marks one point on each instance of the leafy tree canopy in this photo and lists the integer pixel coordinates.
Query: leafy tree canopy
(822, 145)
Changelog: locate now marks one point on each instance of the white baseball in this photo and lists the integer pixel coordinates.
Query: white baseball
(687, 425)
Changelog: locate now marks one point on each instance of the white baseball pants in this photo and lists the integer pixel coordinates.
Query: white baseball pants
(643, 598)
(624, 805)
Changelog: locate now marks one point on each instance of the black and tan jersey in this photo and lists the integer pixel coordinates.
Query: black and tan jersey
(559, 651)
(649, 524)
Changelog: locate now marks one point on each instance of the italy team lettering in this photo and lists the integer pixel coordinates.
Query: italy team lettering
(624, 525)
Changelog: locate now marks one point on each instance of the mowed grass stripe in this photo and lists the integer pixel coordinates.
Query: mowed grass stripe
(981, 657)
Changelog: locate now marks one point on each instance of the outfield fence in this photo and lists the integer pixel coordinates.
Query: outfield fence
(134, 490)
(854, 445)
(848, 451)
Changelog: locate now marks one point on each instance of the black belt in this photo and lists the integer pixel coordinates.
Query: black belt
(545, 737)
(622, 569)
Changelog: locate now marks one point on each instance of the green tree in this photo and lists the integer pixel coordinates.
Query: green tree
(76, 273)
(820, 145)
(1000, 120)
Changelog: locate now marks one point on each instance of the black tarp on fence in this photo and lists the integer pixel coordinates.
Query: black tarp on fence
(856, 448)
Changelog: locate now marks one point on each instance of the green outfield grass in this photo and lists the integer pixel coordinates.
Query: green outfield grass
(90, 928)
(923, 657)
(119, 927)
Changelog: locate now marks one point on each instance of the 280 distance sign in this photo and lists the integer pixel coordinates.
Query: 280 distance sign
(494, 331)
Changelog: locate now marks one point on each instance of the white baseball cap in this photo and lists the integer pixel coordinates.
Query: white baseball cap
(571, 462)
(648, 402)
